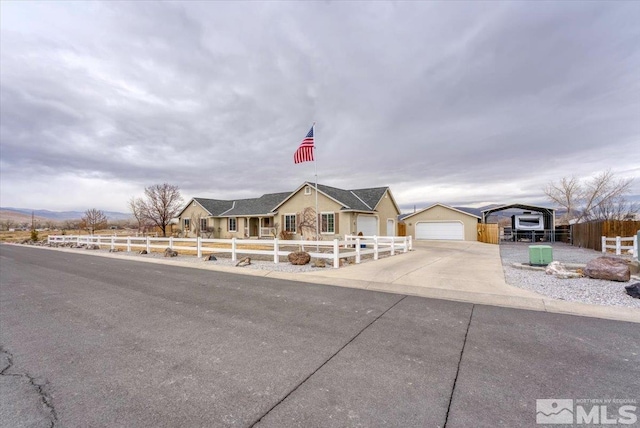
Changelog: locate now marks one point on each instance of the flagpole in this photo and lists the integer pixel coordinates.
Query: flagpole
(315, 165)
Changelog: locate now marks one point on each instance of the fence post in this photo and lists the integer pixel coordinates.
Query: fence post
(375, 247)
(618, 245)
(406, 245)
(113, 243)
(199, 246)
(276, 251)
(604, 244)
(635, 246)
(393, 246)
(148, 244)
(233, 249)
(128, 244)
(336, 253)
(410, 243)
(171, 242)
(357, 250)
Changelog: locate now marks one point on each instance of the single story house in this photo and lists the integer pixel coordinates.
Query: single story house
(442, 222)
(372, 211)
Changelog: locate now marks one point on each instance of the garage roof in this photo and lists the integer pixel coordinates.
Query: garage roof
(443, 206)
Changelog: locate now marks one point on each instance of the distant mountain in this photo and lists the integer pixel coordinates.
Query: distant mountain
(60, 215)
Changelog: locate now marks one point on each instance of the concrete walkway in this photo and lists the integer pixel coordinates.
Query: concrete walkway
(459, 271)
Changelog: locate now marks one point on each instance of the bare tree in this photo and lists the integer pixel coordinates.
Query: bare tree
(307, 220)
(162, 202)
(9, 223)
(599, 198)
(196, 226)
(93, 219)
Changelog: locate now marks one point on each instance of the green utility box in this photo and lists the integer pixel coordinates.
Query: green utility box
(540, 255)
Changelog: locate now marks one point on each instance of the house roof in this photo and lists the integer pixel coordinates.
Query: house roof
(265, 204)
(460, 210)
(351, 200)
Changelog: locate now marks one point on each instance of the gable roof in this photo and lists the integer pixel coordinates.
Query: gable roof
(444, 206)
(351, 200)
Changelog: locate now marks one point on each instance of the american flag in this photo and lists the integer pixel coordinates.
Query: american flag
(305, 151)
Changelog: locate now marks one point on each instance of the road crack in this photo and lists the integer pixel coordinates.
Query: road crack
(455, 380)
(295, 388)
(39, 385)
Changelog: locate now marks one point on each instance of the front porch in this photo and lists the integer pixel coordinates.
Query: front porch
(260, 228)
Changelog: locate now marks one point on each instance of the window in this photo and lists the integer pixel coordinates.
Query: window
(290, 223)
(203, 224)
(307, 190)
(327, 222)
(233, 224)
(187, 224)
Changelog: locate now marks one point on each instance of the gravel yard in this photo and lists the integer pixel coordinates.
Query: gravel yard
(583, 290)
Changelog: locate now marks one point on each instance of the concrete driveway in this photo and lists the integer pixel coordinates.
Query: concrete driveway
(452, 270)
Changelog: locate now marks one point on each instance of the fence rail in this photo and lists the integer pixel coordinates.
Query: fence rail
(351, 246)
(617, 244)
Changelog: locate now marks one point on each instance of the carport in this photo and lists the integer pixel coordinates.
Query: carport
(548, 215)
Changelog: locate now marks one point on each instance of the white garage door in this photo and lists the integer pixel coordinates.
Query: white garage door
(446, 230)
(368, 225)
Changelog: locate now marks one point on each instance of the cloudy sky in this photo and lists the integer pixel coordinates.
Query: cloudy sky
(461, 103)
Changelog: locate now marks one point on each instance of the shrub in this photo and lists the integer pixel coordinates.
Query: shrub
(34, 235)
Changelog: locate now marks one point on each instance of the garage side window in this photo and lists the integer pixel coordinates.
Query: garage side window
(328, 222)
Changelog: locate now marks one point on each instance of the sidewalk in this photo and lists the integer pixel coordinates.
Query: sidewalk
(459, 271)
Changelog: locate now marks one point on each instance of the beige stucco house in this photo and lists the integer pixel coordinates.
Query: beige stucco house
(442, 222)
(372, 211)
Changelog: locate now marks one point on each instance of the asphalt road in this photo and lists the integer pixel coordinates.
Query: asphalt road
(91, 342)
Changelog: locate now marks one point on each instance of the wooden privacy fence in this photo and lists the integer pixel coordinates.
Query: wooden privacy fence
(488, 233)
(589, 235)
(352, 246)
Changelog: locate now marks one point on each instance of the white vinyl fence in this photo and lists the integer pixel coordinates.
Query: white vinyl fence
(617, 244)
(352, 246)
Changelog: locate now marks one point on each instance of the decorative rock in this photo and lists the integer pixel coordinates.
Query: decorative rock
(299, 258)
(560, 271)
(319, 263)
(168, 252)
(633, 290)
(609, 268)
(93, 247)
(555, 268)
(634, 267)
(142, 252)
(244, 262)
(210, 258)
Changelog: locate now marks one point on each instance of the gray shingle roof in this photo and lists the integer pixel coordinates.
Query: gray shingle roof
(359, 199)
(262, 205)
(214, 206)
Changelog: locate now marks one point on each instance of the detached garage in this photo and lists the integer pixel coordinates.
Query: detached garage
(442, 222)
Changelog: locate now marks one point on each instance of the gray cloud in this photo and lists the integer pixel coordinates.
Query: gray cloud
(452, 102)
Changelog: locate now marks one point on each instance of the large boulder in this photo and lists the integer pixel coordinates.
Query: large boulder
(609, 268)
(299, 258)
